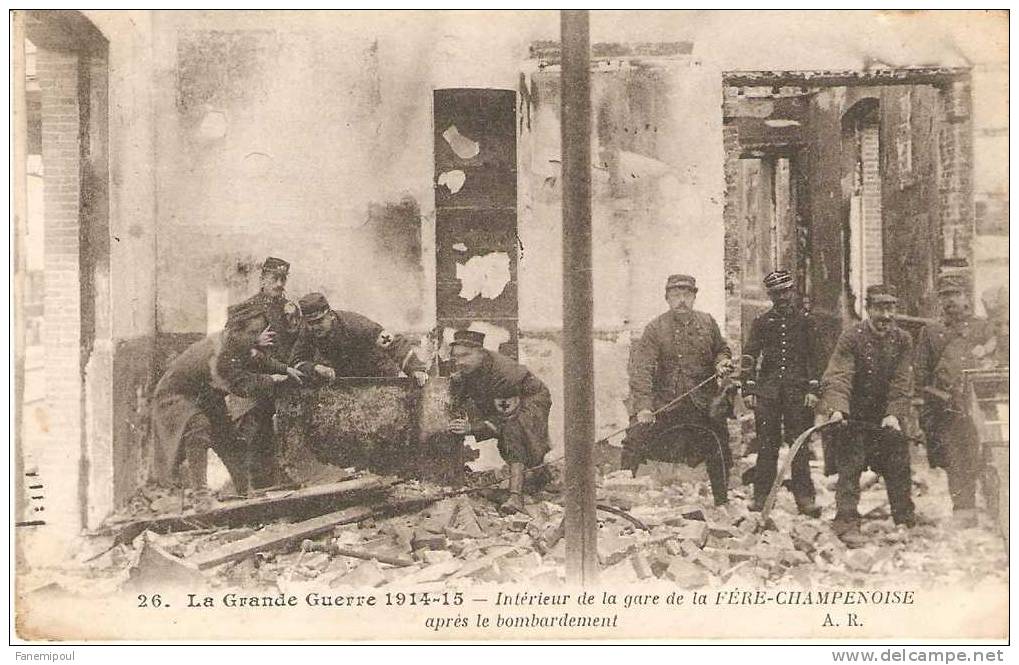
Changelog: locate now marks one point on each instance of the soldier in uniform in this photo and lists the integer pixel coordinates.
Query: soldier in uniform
(869, 379)
(679, 350)
(513, 405)
(957, 342)
(189, 407)
(349, 344)
(276, 348)
(783, 393)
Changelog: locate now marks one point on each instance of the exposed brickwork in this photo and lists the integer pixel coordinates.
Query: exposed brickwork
(60, 453)
(956, 185)
(732, 260)
(873, 252)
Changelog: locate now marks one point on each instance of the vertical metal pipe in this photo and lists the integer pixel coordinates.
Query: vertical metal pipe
(578, 341)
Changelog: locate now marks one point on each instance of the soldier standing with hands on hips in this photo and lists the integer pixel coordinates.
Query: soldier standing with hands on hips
(783, 393)
(869, 379)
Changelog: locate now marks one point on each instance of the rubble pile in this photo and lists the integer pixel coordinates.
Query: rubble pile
(462, 541)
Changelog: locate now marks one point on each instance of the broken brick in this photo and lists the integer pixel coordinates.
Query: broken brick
(366, 575)
(686, 574)
(641, 566)
(697, 532)
(426, 540)
(613, 548)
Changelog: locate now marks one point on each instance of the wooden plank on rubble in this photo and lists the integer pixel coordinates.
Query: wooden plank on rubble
(300, 502)
(293, 534)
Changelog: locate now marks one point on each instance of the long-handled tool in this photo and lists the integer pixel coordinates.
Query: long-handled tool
(769, 502)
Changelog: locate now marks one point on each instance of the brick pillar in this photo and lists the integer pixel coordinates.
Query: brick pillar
(873, 246)
(59, 458)
(956, 181)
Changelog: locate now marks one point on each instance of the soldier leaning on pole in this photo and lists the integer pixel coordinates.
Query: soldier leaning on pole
(513, 404)
(869, 380)
(783, 392)
(189, 406)
(682, 351)
(959, 341)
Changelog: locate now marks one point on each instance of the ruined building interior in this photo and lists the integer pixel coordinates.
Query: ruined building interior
(417, 179)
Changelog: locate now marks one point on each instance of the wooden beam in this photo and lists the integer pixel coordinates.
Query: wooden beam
(294, 534)
(830, 78)
(578, 337)
(318, 498)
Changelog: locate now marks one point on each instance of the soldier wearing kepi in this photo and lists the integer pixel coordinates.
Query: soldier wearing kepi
(958, 342)
(678, 351)
(513, 405)
(275, 351)
(189, 407)
(869, 379)
(783, 393)
(349, 344)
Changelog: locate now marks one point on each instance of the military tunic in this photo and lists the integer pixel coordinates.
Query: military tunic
(189, 401)
(785, 347)
(676, 352)
(253, 416)
(357, 346)
(869, 376)
(944, 350)
(522, 436)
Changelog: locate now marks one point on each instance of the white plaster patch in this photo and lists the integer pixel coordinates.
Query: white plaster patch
(495, 335)
(459, 247)
(464, 147)
(778, 122)
(484, 276)
(489, 458)
(453, 180)
(217, 299)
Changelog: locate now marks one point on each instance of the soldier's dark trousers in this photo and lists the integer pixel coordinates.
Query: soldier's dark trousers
(198, 437)
(256, 440)
(961, 444)
(661, 441)
(887, 453)
(773, 415)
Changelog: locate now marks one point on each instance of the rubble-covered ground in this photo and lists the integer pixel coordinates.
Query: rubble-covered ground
(463, 542)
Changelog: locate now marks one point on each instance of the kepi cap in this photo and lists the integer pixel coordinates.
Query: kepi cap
(469, 338)
(881, 293)
(779, 280)
(952, 281)
(273, 264)
(681, 282)
(313, 306)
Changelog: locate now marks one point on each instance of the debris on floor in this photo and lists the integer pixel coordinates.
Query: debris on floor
(405, 539)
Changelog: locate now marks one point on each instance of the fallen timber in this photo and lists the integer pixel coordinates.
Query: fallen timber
(307, 501)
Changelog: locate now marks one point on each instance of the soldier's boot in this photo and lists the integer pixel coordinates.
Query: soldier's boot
(537, 480)
(203, 500)
(847, 528)
(629, 461)
(515, 502)
(806, 506)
